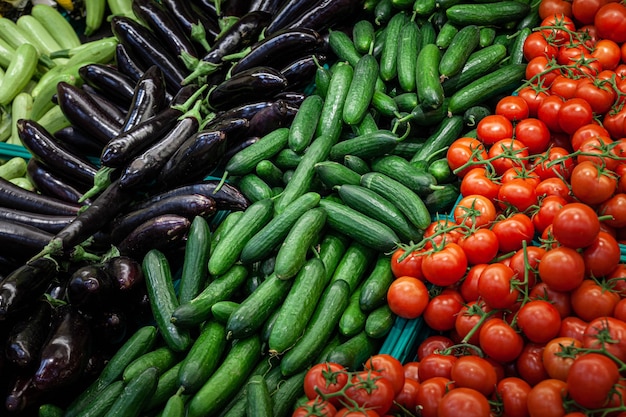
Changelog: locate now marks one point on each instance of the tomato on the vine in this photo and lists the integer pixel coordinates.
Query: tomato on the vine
(610, 21)
(441, 311)
(602, 256)
(445, 266)
(316, 407)
(517, 193)
(598, 151)
(592, 300)
(524, 263)
(545, 399)
(370, 389)
(576, 225)
(513, 108)
(559, 354)
(430, 393)
(325, 378)
(558, 27)
(591, 378)
(493, 128)
(549, 206)
(592, 184)
(461, 151)
(554, 186)
(407, 297)
(436, 365)
(513, 394)
(559, 299)
(606, 333)
(480, 246)
(472, 371)
(410, 266)
(507, 153)
(497, 286)
(389, 368)
(564, 86)
(533, 96)
(584, 11)
(500, 341)
(465, 402)
(608, 53)
(548, 8)
(436, 343)
(534, 134)
(407, 397)
(539, 320)
(474, 210)
(590, 130)
(513, 231)
(616, 208)
(548, 112)
(598, 93)
(562, 268)
(574, 113)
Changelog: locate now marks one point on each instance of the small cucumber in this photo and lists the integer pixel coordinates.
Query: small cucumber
(357, 164)
(389, 54)
(365, 146)
(167, 386)
(195, 272)
(478, 64)
(408, 49)
(222, 310)
(447, 32)
(401, 170)
(287, 159)
(352, 320)
(375, 286)
(304, 123)
(440, 169)
(287, 393)
(270, 173)
(361, 90)
(379, 322)
(135, 395)
(487, 36)
(363, 35)
(331, 250)
(293, 251)
(162, 359)
(354, 352)
(254, 188)
(331, 118)
(353, 265)
(333, 173)
(436, 144)
(244, 161)
(487, 14)
(104, 400)
(456, 54)
(429, 89)
(343, 47)
(259, 402)
(443, 199)
(229, 221)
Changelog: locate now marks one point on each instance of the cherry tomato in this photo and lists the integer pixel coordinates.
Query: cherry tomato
(469, 318)
(493, 128)
(592, 184)
(480, 246)
(590, 379)
(407, 397)
(524, 263)
(541, 71)
(433, 344)
(539, 320)
(513, 231)
(576, 225)
(562, 268)
(546, 398)
(328, 378)
(610, 21)
(410, 370)
(445, 266)
(351, 412)
(465, 402)
(574, 113)
(369, 389)
(389, 368)
(514, 108)
(410, 266)
(584, 11)
(574, 327)
(436, 365)
(474, 372)
(442, 231)
(598, 93)
(554, 186)
(407, 297)
(614, 123)
(598, 151)
(590, 130)
(558, 356)
(564, 86)
(461, 151)
(602, 256)
(469, 285)
(513, 394)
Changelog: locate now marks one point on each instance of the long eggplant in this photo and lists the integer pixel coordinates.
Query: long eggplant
(125, 271)
(27, 336)
(52, 188)
(22, 394)
(280, 48)
(23, 287)
(269, 6)
(127, 63)
(325, 14)
(46, 222)
(45, 149)
(89, 288)
(247, 86)
(115, 111)
(245, 111)
(280, 114)
(64, 354)
(109, 80)
(200, 28)
(287, 13)
(233, 127)
(300, 72)
(161, 232)
(78, 142)
(148, 98)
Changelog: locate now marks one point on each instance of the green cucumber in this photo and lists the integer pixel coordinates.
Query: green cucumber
(353, 265)
(104, 400)
(443, 199)
(331, 250)
(298, 306)
(487, 14)
(304, 123)
(429, 89)
(135, 395)
(379, 322)
(305, 232)
(254, 188)
(365, 146)
(354, 352)
(270, 173)
(406, 101)
(287, 159)
(162, 359)
(447, 32)
(436, 144)
(331, 118)
(440, 169)
(375, 286)
(287, 394)
(456, 54)
(409, 46)
(229, 247)
(384, 104)
(401, 170)
(333, 173)
(244, 161)
(259, 402)
(352, 320)
(195, 272)
(389, 54)
(357, 164)
(478, 64)
(167, 386)
(222, 310)
(487, 36)
(363, 34)
(229, 221)
(361, 90)
(343, 47)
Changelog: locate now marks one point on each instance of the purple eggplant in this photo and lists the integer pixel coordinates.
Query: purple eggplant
(248, 86)
(161, 232)
(25, 285)
(27, 336)
(126, 272)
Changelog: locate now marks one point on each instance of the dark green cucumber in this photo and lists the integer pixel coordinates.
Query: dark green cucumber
(377, 207)
(229, 221)
(356, 164)
(367, 125)
(407, 148)
(440, 169)
(259, 402)
(363, 35)
(331, 117)
(384, 104)
(436, 144)
(447, 32)
(409, 203)
(359, 227)
(167, 386)
(487, 36)
(343, 47)
(478, 64)
(254, 188)
(361, 90)
(287, 159)
(352, 320)
(135, 395)
(406, 101)
(353, 265)
(375, 286)
(270, 236)
(429, 89)
(162, 359)
(49, 410)
(222, 310)
(422, 116)
(516, 52)
(269, 172)
(442, 200)
(382, 12)
(319, 329)
(244, 161)
(333, 173)
(287, 393)
(257, 307)
(104, 400)
(203, 357)
(322, 81)
(424, 8)
(379, 322)
(365, 146)
(409, 46)
(475, 114)
(504, 79)
(229, 247)
(221, 288)
(389, 54)
(429, 33)
(163, 301)
(268, 326)
(175, 406)
(195, 272)
(304, 233)
(298, 306)
(401, 170)
(354, 352)
(331, 250)
(487, 14)
(304, 124)
(456, 54)
(240, 360)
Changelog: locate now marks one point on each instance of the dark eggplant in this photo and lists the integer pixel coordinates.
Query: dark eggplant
(89, 287)
(235, 8)
(123, 148)
(22, 240)
(248, 86)
(325, 14)
(280, 114)
(161, 232)
(280, 48)
(46, 150)
(206, 7)
(143, 169)
(287, 13)
(293, 98)
(301, 72)
(244, 32)
(65, 353)
(269, 6)
(148, 98)
(196, 158)
(187, 206)
(109, 325)
(201, 29)
(17, 197)
(25, 285)
(245, 111)
(109, 80)
(78, 142)
(22, 394)
(27, 336)
(82, 111)
(115, 111)
(52, 187)
(227, 197)
(145, 45)
(165, 27)
(125, 271)
(127, 63)
(233, 148)
(46, 222)
(233, 127)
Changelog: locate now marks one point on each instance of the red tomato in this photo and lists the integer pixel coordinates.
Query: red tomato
(546, 398)
(555, 162)
(558, 356)
(533, 96)
(524, 263)
(369, 389)
(576, 225)
(436, 365)
(507, 153)
(433, 344)
(315, 408)
(496, 286)
(407, 297)
(559, 299)
(410, 266)
(350, 412)
(513, 108)
(410, 370)
(614, 123)
(584, 11)
(619, 312)
(461, 151)
(513, 394)
(591, 378)
(445, 266)
(469, 318)
(548, 112)
(328, 378)
(564, 86)
(596, 150)
(500, 341)
(518, 193)
(571, 53)
(590, 130)
(441, 311)
(557, 27)
(607, 332)
(592, 184)
(474, 210)
(480, 246)
(474, 372)
(513, 231)
(544, 215)
(602, 256)
(610, 21)
(574, 327)
(407, 398)
(529, 364)
(442, 231)
(574, 113)
(616, 208)
(537, 45)
(534, 134)
(592, 300)
(562, 268)
(554, 8)
(541, 71)
(608, 53)
(598, 93)
(493, 128)
(389, 368)
(553, 186)
(430, 393)
(465, 402)
(520, 173)
(480, 181)
(539, 320)
(469, 285)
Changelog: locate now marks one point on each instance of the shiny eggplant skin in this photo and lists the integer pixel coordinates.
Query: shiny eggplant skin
(125, 271)
(248, 86)
(187, 18)
(27, 336)
(325, 14)
(45, 149)
(89, 288)
(65, 353)
(196, 158)
(280, 48)
(287, 13)
(53, 187)
(245, 111)
(23, 394)
(279, 114)
(127, 63)
(22, 241)
(77, 141)
(109, 80)
(300, 72)
(147, 100)
(14, 196)
(115, 111)
(269, 6)
(46, 222)
(23, 286)
(161, 232)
